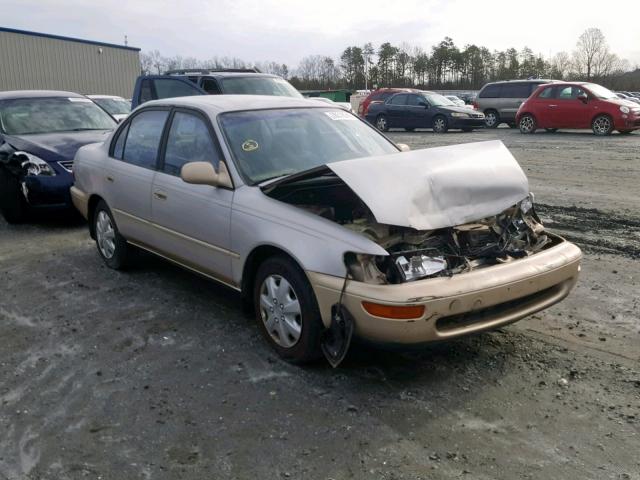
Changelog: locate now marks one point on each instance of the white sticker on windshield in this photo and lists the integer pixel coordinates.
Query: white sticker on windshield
(339, 115)
(78, 99)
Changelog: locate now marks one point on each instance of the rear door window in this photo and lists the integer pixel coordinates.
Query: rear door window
(189, 140)
(171, 87)
(516, 90)
(143, 138)
(400, 99)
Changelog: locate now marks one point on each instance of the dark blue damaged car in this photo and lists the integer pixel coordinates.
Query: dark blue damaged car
(40, 132)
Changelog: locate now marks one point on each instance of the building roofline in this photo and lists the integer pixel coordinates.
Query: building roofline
(68, 39)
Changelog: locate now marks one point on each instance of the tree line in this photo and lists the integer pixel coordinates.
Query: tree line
(443, 66)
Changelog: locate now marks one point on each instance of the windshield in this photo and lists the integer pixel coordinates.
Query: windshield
(259, 86)
(268, 144)
(600, 92)
(114, 106)
(437, 100)
(22, 116)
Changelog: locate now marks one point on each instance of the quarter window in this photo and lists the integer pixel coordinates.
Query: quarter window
(143, 138)
(188, 141)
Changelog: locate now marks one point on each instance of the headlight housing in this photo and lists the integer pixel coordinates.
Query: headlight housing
(35, 165)
(459, 115)
(624, 109)
(363, 268)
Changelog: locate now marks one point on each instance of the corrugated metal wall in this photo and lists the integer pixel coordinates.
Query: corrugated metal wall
(30, 62)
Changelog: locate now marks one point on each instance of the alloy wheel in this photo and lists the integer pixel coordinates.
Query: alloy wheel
(381, 123)
(602, 125)
(490, 119)
(105, 234)
(280, 311)
(527, 124)
(439, 125)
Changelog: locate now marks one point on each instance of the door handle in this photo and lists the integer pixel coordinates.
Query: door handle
(160, 195)
(109, 178)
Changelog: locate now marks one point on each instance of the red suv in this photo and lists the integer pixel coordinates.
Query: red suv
(577, 105)
(379, 96)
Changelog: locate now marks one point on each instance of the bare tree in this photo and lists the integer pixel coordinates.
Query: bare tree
(591, 51)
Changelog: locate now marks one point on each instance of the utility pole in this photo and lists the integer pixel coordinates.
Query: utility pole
(126, 41)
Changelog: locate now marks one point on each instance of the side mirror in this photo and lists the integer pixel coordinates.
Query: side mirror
(403, 147)
(203, 173)
(583, 97)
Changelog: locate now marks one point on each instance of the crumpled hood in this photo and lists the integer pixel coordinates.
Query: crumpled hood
(436, 187)
(55, 147)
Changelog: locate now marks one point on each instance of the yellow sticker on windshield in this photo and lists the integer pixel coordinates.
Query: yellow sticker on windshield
(250, 145)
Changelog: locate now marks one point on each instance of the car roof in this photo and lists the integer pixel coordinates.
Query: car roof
(216, 75)
(534, 80)
(216, 104)
(105, 96)
(13, 94)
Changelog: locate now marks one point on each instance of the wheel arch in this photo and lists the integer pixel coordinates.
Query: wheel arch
(91, 207)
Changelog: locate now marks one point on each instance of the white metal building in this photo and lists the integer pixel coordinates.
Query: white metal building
(39, 61)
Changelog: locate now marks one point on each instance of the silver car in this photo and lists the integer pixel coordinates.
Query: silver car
(327, 228)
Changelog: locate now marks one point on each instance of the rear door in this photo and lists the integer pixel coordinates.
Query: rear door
(512, 95)
(192, 222)
(130, 169)
(158, 87)
(397, 111)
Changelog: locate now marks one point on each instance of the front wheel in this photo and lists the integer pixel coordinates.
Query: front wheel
(440, 124)
(382, 124)
(286, 310)
(12, 203)
(602, 125)
(112, 246)
(527, 124)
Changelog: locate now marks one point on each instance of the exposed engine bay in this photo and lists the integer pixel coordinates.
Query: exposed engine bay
(413, 254)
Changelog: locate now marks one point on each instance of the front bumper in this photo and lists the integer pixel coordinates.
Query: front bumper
(627, 122)
(47, 192)
(455, 122)
(465, 303)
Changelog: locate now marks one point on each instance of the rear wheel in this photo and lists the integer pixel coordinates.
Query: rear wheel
(491, 119)
(527, 124)
(12, 203)
(286, 310)
(112, 246)
(440, 124)
(382, 124)
(602, 125)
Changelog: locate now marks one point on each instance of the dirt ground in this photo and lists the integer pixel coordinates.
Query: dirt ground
(157, 374)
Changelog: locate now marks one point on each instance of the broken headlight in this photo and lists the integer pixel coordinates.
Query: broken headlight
(364, 268)
(34, 165)
(527, 203)
(419, 266)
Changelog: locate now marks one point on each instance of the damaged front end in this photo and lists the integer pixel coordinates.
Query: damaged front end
(414, 255)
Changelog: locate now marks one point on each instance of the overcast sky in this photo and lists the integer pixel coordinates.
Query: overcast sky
(287, 30)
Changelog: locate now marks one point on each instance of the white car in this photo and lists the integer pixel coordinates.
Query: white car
(118, 107)
(344, 105)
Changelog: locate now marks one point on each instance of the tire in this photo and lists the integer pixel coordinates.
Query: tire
(440, 124)
(527, 124)
(382, 124)
(491, 119)
(13, 205)
(410, 129)
(602, 125)
(295, 335)
(112, 246)
(625, 132)
(551, 130)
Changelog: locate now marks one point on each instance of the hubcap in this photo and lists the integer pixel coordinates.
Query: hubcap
(490, 119)
(526, 124)
(602, 125)
(105, 234)
(439, 125)
(382, 123)
(280, 311)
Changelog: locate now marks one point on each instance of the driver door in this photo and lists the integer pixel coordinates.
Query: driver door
(192, 222)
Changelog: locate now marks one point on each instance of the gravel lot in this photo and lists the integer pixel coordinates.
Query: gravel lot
(157, 374)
